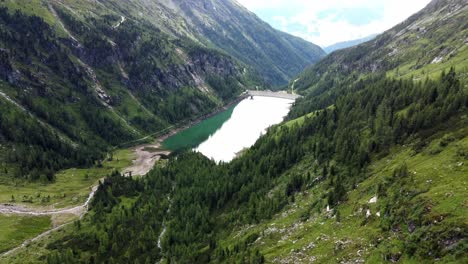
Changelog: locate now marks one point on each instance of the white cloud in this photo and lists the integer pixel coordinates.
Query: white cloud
(330, 28)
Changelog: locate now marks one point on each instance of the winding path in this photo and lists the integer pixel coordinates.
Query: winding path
(21, 210)
(146, 157)
(164, 229)
(29, 241)
(18, 210)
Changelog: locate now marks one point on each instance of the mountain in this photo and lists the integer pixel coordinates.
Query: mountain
(83, 76)
(276, 55)
(423, 45)
(228, 26)
(347, 44)
(369, 167)
(78, 78)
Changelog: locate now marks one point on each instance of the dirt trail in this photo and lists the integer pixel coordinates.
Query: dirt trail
(78, 210)
(29, 241)
(146, 157)
(22, 210)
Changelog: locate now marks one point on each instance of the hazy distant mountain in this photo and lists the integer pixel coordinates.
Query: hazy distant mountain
(347, 44)
(369, 167)
(435, 36)
(83, 67)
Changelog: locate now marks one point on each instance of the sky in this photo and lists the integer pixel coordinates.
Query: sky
(326, 22)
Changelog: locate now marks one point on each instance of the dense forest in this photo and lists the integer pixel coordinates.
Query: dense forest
(368, 166)
(67, 101)
(198, 202)
(38, 149)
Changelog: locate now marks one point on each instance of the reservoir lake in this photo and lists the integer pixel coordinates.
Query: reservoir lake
(222, 136)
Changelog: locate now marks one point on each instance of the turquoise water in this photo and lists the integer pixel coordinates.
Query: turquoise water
(224, 135)
(195, 135)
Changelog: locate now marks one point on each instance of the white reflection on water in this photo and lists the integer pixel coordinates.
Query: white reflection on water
(248, 122)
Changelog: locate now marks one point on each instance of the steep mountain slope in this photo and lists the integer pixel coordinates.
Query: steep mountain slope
(316, 189)
(375, 174)
(276, 55)
(78, 77)
(347, 44)
(102, 73)
(423, 45)
(230, 27)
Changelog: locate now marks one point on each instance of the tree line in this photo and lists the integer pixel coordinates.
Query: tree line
(208, 200)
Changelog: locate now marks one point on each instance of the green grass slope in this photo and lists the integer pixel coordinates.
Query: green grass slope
(424, 45)
(344, 184)
(369, 168)
(430, 197)
(74, 86)
(17, 229)
(82, 83)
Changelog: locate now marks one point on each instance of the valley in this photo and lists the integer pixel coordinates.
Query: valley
(161, 132)
(62, 199)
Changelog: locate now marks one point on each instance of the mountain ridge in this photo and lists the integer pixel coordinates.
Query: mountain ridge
(409, 50)
(347, 44)
(264, 43)
(138, 64)
(369, 167)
